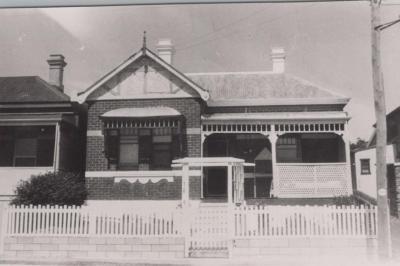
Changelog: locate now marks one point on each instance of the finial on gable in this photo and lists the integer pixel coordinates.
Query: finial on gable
(144, 39)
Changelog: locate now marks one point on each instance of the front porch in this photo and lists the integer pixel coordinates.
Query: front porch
(294, 155)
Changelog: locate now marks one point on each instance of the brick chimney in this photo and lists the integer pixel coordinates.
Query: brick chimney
(165, 50)
(278, 60)
(56, 70)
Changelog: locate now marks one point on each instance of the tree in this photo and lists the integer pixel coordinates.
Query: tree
(359, 144)
(52, 188)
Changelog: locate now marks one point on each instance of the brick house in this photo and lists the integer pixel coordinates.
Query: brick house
(365, 165)
(40, 128)
(145, 114)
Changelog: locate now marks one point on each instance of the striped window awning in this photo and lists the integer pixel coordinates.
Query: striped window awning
(146, 117)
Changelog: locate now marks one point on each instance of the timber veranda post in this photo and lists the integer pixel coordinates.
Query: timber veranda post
(383, 223)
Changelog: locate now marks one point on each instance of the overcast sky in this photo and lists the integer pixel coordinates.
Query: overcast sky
(326, 43)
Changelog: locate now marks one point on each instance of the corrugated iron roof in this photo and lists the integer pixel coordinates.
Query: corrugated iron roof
(259, 86)
(28, 89)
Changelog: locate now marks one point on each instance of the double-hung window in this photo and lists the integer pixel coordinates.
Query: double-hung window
(27, 146)
(365, 166)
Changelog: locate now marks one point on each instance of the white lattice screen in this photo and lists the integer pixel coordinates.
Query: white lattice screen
(311, 180)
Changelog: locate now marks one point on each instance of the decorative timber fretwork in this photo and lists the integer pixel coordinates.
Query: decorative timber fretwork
(215, 127)
(141, 123)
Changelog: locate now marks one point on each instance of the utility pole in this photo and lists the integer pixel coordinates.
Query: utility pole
(383, 224)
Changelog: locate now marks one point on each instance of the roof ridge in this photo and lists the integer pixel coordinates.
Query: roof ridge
(232, 73)
(32, 76)
(108, 73)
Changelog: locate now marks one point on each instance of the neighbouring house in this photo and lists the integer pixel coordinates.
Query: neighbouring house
(365, 165)
(145, 115)
(40, 127)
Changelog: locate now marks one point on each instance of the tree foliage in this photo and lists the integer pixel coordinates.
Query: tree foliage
(52, 188)
(359, 144)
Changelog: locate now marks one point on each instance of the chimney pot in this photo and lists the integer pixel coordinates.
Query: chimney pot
(56, 70)
(278, 60)
(165, 50)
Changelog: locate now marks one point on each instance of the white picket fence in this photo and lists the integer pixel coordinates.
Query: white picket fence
(203, 226)
(85, 221)
(311, 221)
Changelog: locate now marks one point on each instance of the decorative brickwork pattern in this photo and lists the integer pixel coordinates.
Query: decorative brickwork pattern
(105, 189)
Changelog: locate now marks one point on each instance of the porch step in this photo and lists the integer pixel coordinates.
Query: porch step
(209, 253)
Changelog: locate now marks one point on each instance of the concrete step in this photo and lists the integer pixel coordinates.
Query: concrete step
(209, 253)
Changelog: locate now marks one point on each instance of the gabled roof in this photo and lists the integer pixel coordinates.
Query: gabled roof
(29, 89)
(262, 88)
(144, 52)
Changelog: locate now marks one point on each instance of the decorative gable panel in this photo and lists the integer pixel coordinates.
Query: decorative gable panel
(143, 79)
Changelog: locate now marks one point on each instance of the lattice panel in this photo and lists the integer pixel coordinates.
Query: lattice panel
(331, 179)
(311, 180)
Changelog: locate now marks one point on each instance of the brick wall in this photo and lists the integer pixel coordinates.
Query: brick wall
(188, 107)
(101, 188)
(36, 247)
(305, 246)
(104, 188)
(95, 159)
(30, 247)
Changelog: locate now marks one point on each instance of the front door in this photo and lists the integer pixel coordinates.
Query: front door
(215, 182)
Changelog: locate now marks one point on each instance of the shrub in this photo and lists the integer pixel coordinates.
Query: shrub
(52, 188)
(345, 200)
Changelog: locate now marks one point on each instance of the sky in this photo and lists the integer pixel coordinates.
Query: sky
(328, 44)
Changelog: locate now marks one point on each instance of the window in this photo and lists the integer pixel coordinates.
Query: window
(128, 152)
(141, 149)
(162, 152)
(397, 147)
(27, 146)
(365, 166)
(287, 149)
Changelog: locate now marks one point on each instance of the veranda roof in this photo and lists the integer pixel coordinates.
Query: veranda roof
(277, 116)
(143, 112)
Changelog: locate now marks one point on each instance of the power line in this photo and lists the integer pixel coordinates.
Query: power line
(229, 24)
(232, 33)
